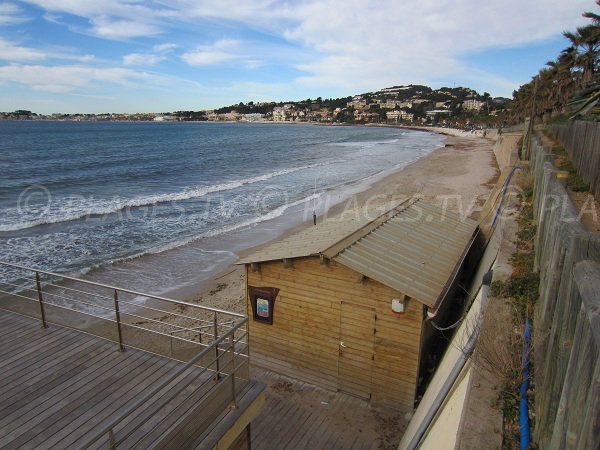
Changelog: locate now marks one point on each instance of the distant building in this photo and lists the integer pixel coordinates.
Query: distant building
(252, 117)
(398, 115)
(437, 112)
(279, 114)
(165, 118)
(366, 116)
(472, 104)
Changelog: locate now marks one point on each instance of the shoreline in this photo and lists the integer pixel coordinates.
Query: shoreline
(192, 265)
(458, 176)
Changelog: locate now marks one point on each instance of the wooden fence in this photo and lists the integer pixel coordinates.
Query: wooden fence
(582, 141)
(567, 318)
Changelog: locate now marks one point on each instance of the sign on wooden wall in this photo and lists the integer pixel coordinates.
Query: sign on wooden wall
(263, 302)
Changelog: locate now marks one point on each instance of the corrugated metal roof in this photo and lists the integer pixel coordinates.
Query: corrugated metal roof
(316, 239)
(415, 252)
(413, 248)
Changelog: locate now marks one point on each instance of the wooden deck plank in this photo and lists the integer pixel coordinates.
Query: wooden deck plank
(258, 428)
(302, 435)
(68, 360)
(146, 415)
(280, 433)
(148, 420)
(46, 410)
(148, 435)
(51, 350)
(27, 341)
(296, 427)
(19, 321)
(44, 398)
(45, 380)
(84, 426)
(318, 418)
(273, 421)
(60, 386)
(8, 327)
(95, 405)
(26, 344)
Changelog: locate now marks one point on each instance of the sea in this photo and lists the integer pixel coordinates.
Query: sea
(161, 207)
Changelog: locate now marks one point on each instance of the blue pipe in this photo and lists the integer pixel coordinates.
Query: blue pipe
(523, 407)
(506, 183)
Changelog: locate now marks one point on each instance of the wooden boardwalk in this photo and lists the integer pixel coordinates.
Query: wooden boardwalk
(299, 415)
(58, 387)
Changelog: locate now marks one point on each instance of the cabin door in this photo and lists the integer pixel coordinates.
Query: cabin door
(357, 326)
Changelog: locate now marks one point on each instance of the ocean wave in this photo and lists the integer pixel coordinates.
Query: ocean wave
(364, 143)
(273, 214)
(115, 206)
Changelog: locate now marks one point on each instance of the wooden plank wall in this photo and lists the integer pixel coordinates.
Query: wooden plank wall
(303, 341)
(567, 331)
(581, 139)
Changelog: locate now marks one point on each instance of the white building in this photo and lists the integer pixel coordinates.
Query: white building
(282, 113)
(473, 105)
(400, 115)
(252, 117)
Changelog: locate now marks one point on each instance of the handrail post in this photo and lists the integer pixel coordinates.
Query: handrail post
(118, 318)
(112, 440)
(232, 347)
(216, 331)
(40, 299)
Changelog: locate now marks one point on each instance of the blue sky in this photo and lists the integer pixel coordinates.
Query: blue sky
(98, 56)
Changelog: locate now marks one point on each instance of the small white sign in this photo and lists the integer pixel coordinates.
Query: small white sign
(397, 306)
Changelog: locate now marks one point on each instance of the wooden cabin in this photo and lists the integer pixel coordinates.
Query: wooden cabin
(342, 304)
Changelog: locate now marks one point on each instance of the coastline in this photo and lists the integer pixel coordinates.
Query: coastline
(458, 177)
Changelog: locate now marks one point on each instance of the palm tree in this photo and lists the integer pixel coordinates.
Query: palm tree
(586, 41)
(564, 77)
(595, 17)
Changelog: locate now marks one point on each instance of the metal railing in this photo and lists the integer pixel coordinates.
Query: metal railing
(227, 377)
(130, 318)
(212, 342)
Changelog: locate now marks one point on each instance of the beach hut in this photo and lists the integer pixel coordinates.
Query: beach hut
(343, 304)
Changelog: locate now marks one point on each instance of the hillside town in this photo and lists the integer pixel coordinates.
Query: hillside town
(409, 105)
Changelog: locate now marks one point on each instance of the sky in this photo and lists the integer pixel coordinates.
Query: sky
(95, 56)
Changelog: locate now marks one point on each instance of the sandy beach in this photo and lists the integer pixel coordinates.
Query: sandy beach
(458, 177)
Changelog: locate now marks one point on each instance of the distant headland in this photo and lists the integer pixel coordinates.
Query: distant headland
(406, 105)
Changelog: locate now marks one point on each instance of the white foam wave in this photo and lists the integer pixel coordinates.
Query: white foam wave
(79, 211)
(364, 143)
(273, 214)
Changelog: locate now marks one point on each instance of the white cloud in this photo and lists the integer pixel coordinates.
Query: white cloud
(219, 52)
(122, 29)
(206, 58)
(165, 48)
(364, 47)
(11, 14)
(11, 52)
(62, 79)
(86, 58)
(351, 44)
(150, 59)
(142, 59)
